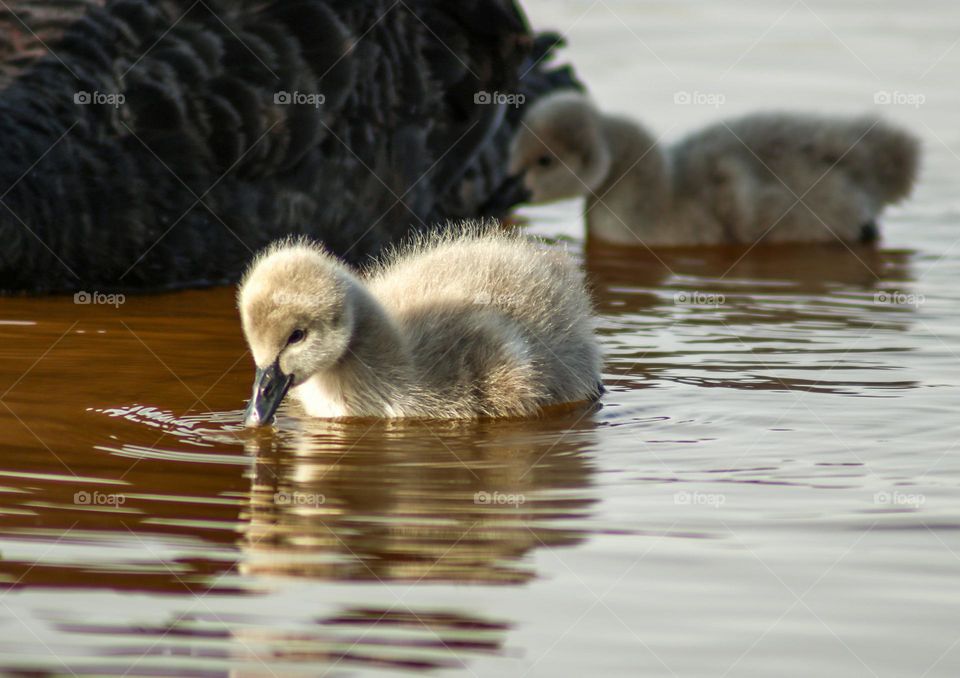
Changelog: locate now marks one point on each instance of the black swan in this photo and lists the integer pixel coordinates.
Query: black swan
(148, 144)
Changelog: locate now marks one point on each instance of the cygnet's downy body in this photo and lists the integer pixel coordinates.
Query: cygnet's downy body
(779, 178)
(474, 323)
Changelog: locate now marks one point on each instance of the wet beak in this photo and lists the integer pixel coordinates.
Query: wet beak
(269, 388)
(509, 193)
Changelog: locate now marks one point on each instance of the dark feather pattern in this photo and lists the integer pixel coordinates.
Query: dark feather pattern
(149, 144)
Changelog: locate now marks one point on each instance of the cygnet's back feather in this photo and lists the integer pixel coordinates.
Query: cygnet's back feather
(474, 282)
(846, 171)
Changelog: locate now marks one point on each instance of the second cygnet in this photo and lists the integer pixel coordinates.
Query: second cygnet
(771, 177)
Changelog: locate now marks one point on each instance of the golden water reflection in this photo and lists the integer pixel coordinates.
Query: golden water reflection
(418, 502)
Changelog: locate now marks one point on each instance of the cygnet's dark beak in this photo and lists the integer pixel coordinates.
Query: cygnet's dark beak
(509, 193)
(269, 388)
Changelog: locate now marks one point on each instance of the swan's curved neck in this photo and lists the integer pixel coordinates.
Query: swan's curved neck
(375, 376)
(632, 200)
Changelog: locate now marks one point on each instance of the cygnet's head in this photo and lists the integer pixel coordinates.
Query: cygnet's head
(559, 151)
(297, 319)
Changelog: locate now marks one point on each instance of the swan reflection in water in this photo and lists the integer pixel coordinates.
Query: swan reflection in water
(416, 502)
(759, 318)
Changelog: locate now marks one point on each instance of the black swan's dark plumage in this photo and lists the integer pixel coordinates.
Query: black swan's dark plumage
(199, 167)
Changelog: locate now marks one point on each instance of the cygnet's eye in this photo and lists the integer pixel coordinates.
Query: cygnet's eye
(296, 336)
(545, 160)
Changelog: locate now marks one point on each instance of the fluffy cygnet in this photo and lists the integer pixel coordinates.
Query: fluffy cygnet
(474, 323)
(775, 177)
